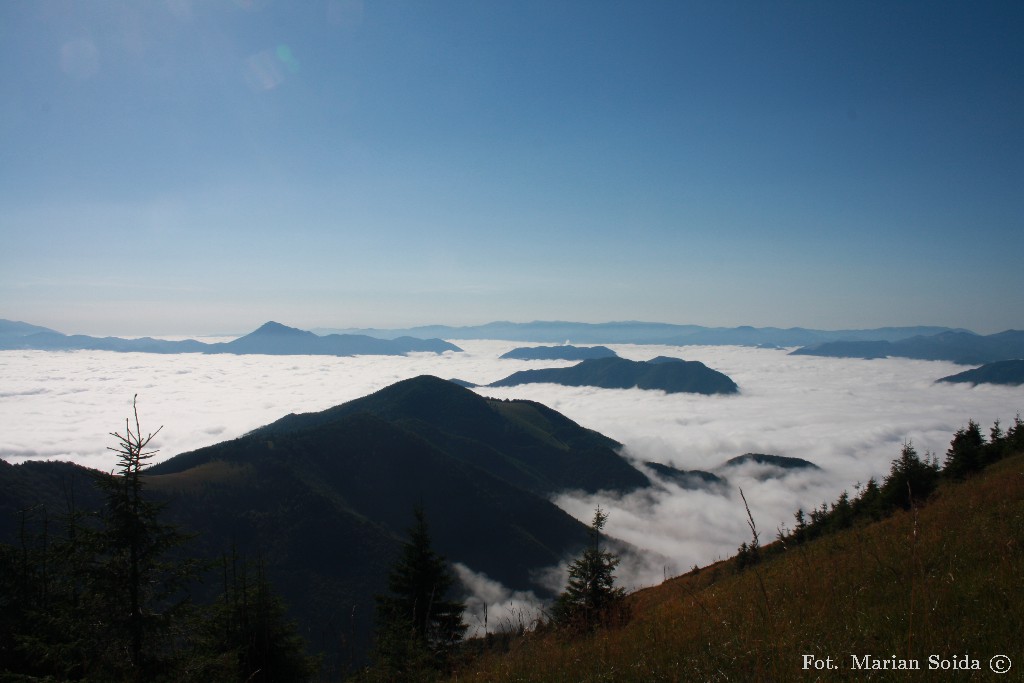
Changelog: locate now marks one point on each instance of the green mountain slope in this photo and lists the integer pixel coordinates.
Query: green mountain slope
(522, 442)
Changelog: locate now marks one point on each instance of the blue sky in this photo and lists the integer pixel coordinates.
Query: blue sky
(190, 167)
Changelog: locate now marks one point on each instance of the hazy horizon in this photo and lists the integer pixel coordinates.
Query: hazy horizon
(228, 335)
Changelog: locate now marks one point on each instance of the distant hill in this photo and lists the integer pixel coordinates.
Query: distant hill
(564, 352)
(633, 332)
(719, 479)
(687, 479)
(961, 347)
(1001, 372)
(780, 461)
(670, 375)
(271, 338)
(325, 498)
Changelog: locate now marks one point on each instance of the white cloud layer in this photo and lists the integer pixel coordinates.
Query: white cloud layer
(493, 608)
(849, 416)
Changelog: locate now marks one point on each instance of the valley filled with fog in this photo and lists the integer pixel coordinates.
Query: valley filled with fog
(848, 416)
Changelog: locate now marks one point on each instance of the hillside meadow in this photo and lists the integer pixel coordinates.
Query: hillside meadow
(936, 587)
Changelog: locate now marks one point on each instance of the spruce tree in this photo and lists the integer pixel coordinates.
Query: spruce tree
(136, 588)
(417, 624)
(245, 635)
(591, 594)
(910, 479)
(965, 455)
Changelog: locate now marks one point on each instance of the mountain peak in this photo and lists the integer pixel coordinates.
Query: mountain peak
(277, 329)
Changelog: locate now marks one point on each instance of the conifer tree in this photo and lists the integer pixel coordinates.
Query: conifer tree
(102, 596)
(841, 515)
(1015, 435)
(910, 479)
(868, 503)
(591, 594)
(965, 455)
(246, 636)
(45, 630)
(417, 624)
(136, 589)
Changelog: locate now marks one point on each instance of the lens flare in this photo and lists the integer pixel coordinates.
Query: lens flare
(285, 56)
(268, 69)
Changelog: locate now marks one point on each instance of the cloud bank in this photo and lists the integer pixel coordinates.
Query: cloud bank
(848, 416)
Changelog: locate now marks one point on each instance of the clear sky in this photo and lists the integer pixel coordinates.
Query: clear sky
(201, 166)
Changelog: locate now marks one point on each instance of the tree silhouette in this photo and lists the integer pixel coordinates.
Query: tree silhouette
(910, 479)
(245, 635)
(136, 589)
(965, 454)
(591, 593)
(417, 625)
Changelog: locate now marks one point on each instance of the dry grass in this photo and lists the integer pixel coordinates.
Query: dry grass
(213, 472)
(945, 579)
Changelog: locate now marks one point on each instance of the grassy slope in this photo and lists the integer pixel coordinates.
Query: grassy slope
(945, 579)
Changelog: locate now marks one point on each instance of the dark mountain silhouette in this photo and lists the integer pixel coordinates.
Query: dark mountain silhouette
(564, 352)
(670, 375)
(719, 479)
(962, 347)
(687, 479)
(325, 498)
(780, 461)
(1001, 372)
(276, 339)
(633, 332)
(523, 442)
(271, 339)
(41, 483)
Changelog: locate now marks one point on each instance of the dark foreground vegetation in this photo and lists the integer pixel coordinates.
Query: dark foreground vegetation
(105, 595)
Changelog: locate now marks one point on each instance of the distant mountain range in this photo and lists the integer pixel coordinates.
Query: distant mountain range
(961, 347)
(671, 375)
(562, 352)
(633, 332)
(270, 339)
(1001, 372)
(278, 339)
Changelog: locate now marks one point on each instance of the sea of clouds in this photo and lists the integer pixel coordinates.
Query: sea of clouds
(851, 417)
